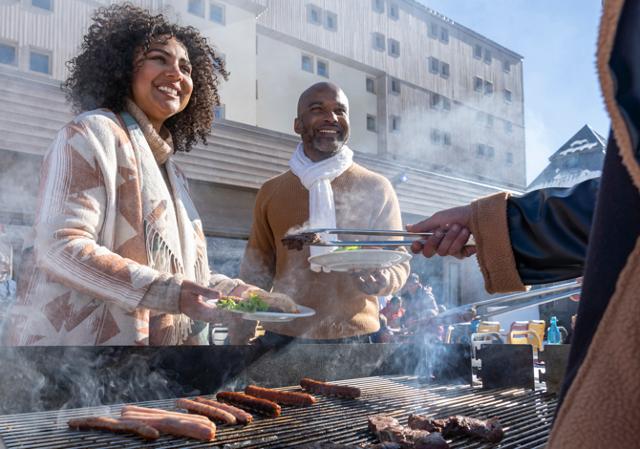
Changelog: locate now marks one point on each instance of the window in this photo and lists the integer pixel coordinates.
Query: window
(379, 42)
(444, 70)
(510, 158)
(39, 62)
(489, 121)
(43, 4)
(436, 136)
(488, 88)
(8, 54)
(491, 152)
(506, 66)
(507, 95)
(394, 48)
(446, 104)
(394, 11)
(435, 100)
(371, 122)
(395, 86)
(433, 30)
(446, 139)
(480, 150)
(216, 13)
(477, 51)
(371, 85)
(196, 7)
(314, 14)
(307, 63)
(434, 65)
(487, 56)
(394, 123)
(478, 84)
(378, 5)
(508, 127)
(219, 112)
(323, 68)
(444, 35)
(331, 21)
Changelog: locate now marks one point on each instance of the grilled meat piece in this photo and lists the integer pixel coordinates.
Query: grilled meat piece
(210, 412)
(241, 416)
(119, 425)
(280, 397)
(389, 430)
(279, 302)
(489, 430)
(297, 241)
(326, 389)
(173, 423)
(262, 406)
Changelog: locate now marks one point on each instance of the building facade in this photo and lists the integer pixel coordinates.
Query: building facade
(425, 129)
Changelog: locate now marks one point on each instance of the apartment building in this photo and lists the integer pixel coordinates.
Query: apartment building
(425, 129)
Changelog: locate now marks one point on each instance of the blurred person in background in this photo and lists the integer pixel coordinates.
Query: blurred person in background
(324, 188)
(394, 313)
(118, 255)
(555, 234)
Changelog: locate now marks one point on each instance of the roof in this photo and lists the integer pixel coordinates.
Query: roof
(579, 159)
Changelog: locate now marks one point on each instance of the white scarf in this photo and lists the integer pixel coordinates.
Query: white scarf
(317, 177)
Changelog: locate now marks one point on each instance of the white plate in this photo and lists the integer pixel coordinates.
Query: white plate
(360, 259)
(276, 317)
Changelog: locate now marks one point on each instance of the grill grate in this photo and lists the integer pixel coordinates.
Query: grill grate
(525, 415)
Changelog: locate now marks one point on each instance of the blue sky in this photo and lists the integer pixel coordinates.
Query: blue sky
(558, 41)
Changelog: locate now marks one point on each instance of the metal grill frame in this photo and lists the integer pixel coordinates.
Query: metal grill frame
(526, 416)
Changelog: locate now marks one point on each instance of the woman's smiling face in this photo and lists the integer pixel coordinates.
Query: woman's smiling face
(162, 85)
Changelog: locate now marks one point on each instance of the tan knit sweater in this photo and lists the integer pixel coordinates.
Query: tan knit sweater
(363, 200)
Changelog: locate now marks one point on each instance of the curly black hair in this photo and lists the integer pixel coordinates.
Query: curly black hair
(101, 75)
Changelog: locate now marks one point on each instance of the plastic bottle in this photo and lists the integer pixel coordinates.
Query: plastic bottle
(553, 333)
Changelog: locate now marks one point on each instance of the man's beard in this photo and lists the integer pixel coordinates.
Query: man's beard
(322, 145)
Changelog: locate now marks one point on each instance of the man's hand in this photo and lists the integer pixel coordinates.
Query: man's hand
(450, 229)
(370, 282)
(193, 302)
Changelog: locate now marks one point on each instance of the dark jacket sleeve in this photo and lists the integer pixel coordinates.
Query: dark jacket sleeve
(549, 231)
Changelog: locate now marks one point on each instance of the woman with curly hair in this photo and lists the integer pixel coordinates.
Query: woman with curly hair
(119, 256)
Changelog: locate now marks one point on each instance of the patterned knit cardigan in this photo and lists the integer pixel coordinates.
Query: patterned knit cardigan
(108, 237)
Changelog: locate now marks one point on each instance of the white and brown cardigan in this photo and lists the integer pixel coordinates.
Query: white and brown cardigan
(602, 406)
(114, 237)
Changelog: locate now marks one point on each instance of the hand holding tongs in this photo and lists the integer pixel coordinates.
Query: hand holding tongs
(312, 237)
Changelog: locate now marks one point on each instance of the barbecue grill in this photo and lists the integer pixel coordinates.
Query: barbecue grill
(525, 415)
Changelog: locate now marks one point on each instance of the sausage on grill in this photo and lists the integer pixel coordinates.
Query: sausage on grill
(206, 410)
(326, 389)
(177, 425)
(119, 425)
(258, 405)
(280, 397)
(129, 409)
(241, 416)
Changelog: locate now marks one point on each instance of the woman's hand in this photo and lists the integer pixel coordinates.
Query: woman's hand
(450, 234)
(193, 302)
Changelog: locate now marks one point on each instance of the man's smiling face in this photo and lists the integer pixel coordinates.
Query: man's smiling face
(323, 120)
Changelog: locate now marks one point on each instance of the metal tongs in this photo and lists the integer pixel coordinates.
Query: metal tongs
(311, 237)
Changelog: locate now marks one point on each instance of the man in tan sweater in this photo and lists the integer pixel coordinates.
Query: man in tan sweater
(324, 188)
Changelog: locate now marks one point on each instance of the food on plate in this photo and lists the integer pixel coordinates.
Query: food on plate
(210, 412)
(299, 240)
(258, 405)
(241, 416)
(118, 425)
(389, 430)
(489, 430)
(173, 423)
(280, 397)
(327, 389)
(264, 302)
(348, 248)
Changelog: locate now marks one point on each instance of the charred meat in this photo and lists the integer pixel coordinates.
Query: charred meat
(298, 241)
(489, 430)
(327, 389)
(388, 430)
